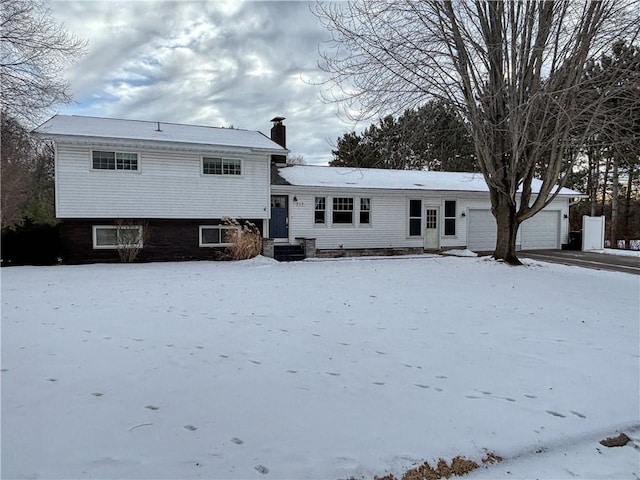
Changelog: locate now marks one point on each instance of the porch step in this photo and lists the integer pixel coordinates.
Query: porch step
(288, 253)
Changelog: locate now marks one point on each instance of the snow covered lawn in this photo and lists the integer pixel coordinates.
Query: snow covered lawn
(317, 369)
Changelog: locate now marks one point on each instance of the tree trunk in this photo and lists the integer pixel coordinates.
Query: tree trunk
(505, 213)
(614, 202)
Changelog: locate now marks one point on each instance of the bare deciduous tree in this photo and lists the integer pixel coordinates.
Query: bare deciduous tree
(513, 69)
(34, 51)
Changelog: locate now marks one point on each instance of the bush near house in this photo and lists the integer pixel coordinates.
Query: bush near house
(31, 244)
(245, 239)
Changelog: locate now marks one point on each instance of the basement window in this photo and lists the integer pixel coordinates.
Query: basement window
(217, 235)
(117, 236)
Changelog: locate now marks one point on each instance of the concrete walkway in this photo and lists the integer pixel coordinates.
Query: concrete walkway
(598, 261)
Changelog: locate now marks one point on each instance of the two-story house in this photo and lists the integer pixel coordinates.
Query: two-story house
(165, 184)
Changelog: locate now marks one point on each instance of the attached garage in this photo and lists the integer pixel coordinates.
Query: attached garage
(481, 233)
(542, 231)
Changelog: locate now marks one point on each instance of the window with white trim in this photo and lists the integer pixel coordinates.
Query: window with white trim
(342, 210)
(221, 166)
(117, 236)
(216, 235)
(415, 218)
(320, 210)
(103, 160)
(365, 211)
(450, 217)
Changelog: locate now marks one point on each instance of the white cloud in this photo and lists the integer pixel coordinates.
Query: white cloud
(213, 63)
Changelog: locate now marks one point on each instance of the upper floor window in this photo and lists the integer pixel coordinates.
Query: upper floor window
(114, 160)
(221, 166)
(365, 211)
(449, 217)
(320, 210)
(342, 210)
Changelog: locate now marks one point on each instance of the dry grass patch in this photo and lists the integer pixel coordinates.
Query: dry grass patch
(459, 466)
(245, 239)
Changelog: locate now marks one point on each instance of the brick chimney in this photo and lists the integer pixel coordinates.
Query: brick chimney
(279, 135)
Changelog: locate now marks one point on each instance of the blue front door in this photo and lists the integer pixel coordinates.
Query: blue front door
(279, 224)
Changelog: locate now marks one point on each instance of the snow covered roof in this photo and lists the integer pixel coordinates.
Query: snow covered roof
(348, 177)
(95, 127)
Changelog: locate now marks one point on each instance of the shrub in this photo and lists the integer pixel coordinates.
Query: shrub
(131, 236)
(245, 239)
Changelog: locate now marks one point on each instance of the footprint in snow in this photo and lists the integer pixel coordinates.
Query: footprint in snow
(378, 383)
(555, 414)
(292, 371)
(344, 344)
(52, 379)
(441, 377)
(223, 356)
(237, 441)
(530, 396)
(255, 362)
(578, 414)
(190, 428)
(199, 347)
(333, 374)
(97, 394)
(421, 386)
(152, 407)
(473, 397)
(315, 334)
(380, 353)
(438, 389)
(262, 469)
(4, 370)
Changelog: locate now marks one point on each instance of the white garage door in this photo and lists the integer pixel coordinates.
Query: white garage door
(481, 232)
(542, 231)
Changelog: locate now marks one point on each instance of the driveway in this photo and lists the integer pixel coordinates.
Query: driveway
(598, 261)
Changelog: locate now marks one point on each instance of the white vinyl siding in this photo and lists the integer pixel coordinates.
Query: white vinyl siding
(171, 185)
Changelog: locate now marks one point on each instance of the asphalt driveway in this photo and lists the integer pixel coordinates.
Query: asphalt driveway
(598, 261)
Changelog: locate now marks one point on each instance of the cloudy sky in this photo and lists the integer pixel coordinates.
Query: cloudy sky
(217, 63)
